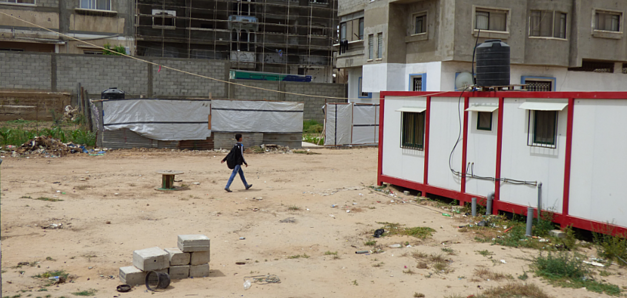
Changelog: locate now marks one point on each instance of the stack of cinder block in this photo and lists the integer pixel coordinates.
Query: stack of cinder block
(190, 259)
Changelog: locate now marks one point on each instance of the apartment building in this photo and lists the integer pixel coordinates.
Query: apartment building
(421, 45)
(271, 36)
(99, 22)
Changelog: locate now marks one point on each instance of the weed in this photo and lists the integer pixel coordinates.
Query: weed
(523, 276)
(543, 227)
(25, 197)
(90, 292)
(612, 248)
(45, 199)
(422, 265)
(355, 283)
(463, 230)
(42, 290)
(409, 271)
(378, 264)
(83, 187)
(489, 275)
(329, 253)
(304, 256)
(514, 290)
(418, 295)
(604, 273)
(568, 271)
(370, 243)
(293, 208)
(50, 259)
(52, 273)
(449, 251)
(486, 253)
(442, 267)
(397, 229)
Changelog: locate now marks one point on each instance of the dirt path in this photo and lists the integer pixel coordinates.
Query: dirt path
(110, 207)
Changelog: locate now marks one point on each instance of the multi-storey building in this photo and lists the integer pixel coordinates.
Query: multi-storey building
(276, 36)
(421, 45)
(99, 22)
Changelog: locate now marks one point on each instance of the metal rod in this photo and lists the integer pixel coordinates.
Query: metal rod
(529, 221)
(488, 209)
(474, 207)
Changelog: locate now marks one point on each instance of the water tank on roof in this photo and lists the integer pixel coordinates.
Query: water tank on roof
(112, 93)
(493, 63)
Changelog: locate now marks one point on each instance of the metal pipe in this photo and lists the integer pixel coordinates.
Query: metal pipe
(474, 207)
(488, 208)
(529, 220)
(539, 200)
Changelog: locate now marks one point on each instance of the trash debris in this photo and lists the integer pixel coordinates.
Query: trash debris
(395, 246)
(593, 263)
(54, 226)
(70, 113)
(242, 238)
(261, 279)
(446, 214)
(378, 233)
(503, 261)
(48, 146)
(247, 284)
(348, 211)
(123, 288)
(482, 223)
(362, 251)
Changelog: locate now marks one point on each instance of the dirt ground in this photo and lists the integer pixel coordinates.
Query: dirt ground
(110, 207)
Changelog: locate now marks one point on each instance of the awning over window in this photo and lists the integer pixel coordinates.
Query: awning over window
(543, 106)
(412, 109)
(482, 108)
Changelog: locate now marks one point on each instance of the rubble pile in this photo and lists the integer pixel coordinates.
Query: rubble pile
(47, 146)
(275, 149)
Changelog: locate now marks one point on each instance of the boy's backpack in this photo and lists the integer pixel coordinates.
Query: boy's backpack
(231, 158)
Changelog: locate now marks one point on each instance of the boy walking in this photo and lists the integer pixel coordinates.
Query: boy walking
(237, 155)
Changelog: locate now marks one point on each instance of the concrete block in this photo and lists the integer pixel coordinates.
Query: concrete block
(192, 243)
(132, 276)
(150, 259)
(200, 257)
(557, 233)
(179, 272)
(199, 270)
(177, 257)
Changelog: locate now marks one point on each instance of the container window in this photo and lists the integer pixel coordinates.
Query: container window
(413, 134)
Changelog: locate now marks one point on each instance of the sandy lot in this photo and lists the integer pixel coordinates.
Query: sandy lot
(110, 207)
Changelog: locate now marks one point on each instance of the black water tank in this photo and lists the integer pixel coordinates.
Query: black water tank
(493, 63)
(112, 93)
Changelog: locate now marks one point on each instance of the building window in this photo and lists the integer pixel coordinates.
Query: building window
(18, 1)
(379, 45)
(607, 21)
(370, 46)
(360, 92)
(594, 66)
(484, 120)
(163, 18)
(96, 4)
(544, 129)
(538, 83)
(420, 23)
(493, 20)
(92, 52)
(352, 27)
(417, 82)
(547, 24)
(413, 134)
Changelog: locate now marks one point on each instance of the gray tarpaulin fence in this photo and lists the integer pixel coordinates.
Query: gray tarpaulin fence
(257, 116)
(351, 124)
(159, 119)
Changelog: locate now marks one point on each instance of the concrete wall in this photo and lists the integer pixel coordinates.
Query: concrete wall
(227, 140)
(25, 71)
(32, 105)
(313, 105)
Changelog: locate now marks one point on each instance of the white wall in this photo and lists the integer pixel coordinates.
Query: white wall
(481, 150)
(400, 163)
(375, 77)
(599, 162)
(522, 162)
(444, 130)
(353, 83)
(433, 71)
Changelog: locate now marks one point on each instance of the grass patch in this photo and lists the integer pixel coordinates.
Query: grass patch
(377, 265)
(90, 292)
(330, 253)
(486, 253)
(489, 275)
(20, 134)
(409, 271)
(52, 273)
(449, 251)
(370, 243)
(398, 229)
(46, 199)
(437, 262)
(83, 187)
(568, 271)
(304, 256)
(293, 208)
(514, 290)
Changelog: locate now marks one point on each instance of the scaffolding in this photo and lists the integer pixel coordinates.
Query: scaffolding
(277, 36)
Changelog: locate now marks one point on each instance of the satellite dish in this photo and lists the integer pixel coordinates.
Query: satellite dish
(463, 81)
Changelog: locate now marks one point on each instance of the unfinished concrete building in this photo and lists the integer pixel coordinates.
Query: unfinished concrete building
(272, 36)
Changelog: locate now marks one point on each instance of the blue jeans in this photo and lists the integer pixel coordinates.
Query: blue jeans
(237, 169)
